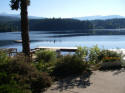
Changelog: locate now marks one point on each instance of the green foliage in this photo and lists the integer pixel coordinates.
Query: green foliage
(108, 24)
(46, 60)
(103, 59)
(23, 75)
(4, 57)
(59, 24)
(8, 27)
(44, 24)
(41, 82)
(18, 76)
(107, 56)
(93, 54)
(45, 66)
(89, 55)
(8, 84)
(110, 60)
(64, 24)
(10, 88)
(16, 4)
(82, 52)
(46, 56)
(69, 65)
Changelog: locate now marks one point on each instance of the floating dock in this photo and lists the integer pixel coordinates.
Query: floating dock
(57, 49)
(67, 49)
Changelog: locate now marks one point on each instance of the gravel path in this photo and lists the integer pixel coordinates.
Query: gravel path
(97, 82)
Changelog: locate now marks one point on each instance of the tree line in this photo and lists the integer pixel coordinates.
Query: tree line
(8, 27)
(109, 24)
(59, 24)
(62, 24)
(50, 24)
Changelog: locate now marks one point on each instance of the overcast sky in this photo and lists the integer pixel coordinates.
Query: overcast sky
(70, 8)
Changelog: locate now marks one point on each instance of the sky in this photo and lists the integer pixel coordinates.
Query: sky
(69, 8)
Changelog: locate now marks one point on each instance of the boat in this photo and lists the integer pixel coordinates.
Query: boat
(18, 41)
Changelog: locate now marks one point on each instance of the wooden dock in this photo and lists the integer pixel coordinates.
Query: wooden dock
(13, 51)
(65, 49)
(57, 49)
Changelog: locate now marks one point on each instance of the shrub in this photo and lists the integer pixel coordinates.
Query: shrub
(97, 58)
(110, 60)
(46, 60)
(45, 66)
(8, 84)
(3, 57)
(10, 88)
(82, 52)
(46, 56)
(69, 65)
(89, 55)
(26, 76)
(93, 55)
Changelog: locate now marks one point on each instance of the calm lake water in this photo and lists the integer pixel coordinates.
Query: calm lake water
(66, 39)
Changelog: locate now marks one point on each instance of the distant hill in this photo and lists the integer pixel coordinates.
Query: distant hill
(8, 19)
(99, 17)
(11, 22)
(11, 17)
(16, 16)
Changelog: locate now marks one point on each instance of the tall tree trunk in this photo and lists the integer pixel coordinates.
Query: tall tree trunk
(25, 28)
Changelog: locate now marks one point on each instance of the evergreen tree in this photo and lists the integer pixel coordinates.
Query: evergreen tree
(23, 5)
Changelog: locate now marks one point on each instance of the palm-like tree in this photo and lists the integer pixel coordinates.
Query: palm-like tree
(23, 5)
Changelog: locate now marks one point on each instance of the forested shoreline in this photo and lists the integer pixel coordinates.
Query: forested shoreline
(58, 24)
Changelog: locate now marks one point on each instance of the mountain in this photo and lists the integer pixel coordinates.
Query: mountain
(8, 18)
(17, 16)
(98, 17)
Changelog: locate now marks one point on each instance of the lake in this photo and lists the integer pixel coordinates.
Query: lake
(62, 39)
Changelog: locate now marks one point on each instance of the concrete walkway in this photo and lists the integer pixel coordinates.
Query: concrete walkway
(98, 82)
